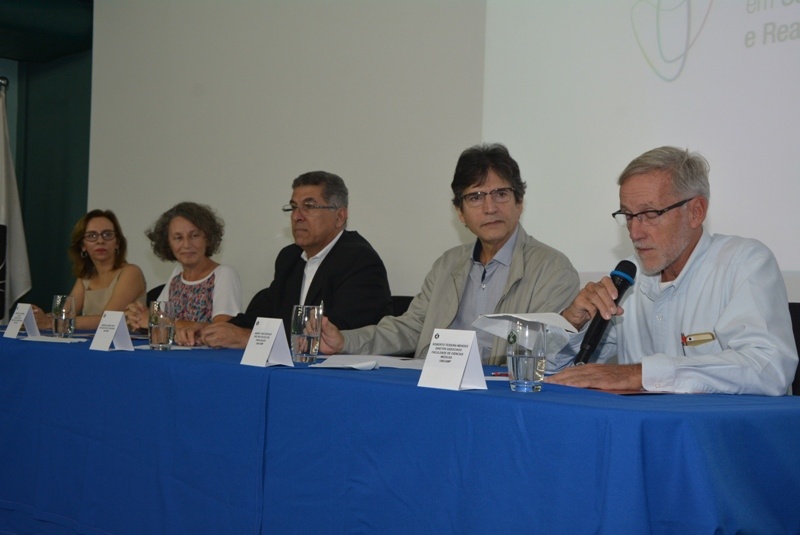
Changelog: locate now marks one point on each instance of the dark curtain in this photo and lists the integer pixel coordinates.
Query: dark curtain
(53, 165)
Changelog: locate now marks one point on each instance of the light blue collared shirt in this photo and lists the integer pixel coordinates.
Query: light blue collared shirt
(483, 290)
(730, 291)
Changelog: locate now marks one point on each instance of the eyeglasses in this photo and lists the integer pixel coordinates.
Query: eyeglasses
(306, 207)
(107, 235)
(477, 198)
(646, 217)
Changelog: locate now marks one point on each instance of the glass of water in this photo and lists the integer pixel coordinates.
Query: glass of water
(63, 316)
(306, 329)
(161, 325)
(526, 356)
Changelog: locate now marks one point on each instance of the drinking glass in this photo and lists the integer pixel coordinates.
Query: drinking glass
(63, 316)
(161, 325)
(306, 328)
(526, 356)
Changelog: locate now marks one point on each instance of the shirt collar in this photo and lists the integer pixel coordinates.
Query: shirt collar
(320, 256)
(505, 253)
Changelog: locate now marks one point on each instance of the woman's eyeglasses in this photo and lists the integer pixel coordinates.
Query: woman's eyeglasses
(107, 235)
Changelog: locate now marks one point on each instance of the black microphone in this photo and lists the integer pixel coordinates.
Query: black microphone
(622, 277)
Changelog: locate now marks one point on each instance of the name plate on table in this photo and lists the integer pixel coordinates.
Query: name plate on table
(267, 345)
(23, 315)
(453, 362)
(112, 330)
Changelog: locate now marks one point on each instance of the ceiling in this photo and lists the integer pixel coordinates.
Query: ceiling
(44, 30)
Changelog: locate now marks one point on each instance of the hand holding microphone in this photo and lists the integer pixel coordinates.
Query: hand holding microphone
(621, 278)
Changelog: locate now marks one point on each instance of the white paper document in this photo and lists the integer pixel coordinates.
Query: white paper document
(356, 362)
(557, 328)
(363, 362)
(53, 339)
(173, 347)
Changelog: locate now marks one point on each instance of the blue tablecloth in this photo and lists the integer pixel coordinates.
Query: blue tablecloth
(369, 452)
(129, 442)
(192, 442)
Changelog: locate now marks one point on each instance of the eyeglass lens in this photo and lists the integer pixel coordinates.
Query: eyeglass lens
(499, 195)
(106, 235)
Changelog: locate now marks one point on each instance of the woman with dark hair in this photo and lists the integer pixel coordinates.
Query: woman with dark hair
(105, 280)
(202, 290)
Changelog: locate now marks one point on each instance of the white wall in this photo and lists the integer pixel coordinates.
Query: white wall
(226, 102)
(577, 89)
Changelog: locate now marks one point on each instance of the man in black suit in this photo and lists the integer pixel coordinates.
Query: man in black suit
(326, 264)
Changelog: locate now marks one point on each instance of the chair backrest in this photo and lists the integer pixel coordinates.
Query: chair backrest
(153, 293)
(794, 312)
(400, 304)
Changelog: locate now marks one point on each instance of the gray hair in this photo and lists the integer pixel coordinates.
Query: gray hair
(333, 191)
(688, 170)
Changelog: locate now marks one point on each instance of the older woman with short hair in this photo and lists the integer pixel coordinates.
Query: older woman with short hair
(202, 290)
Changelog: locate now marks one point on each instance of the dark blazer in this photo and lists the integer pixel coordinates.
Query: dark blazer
(351, 281)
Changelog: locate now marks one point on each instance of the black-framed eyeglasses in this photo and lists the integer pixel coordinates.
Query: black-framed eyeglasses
(646, 217)
(107, 235)
(306, 207)
(477, 198)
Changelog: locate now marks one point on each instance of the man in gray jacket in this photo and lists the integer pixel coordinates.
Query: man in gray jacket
(505, 270)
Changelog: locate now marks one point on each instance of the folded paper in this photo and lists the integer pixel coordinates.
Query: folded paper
(267, 345)
(453, 362)
(112, 331)
(23, 315)
(557, 329)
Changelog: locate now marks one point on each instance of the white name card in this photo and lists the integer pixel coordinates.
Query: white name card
(23, 315)
(112, 330)
(453, 362)
(267, 345)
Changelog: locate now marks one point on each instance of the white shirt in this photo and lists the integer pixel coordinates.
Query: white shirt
(730, 287)
(312, 265)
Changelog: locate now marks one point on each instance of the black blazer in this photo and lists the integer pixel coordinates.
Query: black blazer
(351, 280)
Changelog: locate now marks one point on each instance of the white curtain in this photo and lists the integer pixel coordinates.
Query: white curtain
(15, 275)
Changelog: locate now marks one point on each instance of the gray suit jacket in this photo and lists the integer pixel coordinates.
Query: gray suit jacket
(541, 279)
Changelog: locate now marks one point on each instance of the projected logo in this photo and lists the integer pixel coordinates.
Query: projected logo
(666, 31)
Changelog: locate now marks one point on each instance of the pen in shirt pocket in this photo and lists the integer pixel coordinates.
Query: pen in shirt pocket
(696, 339)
